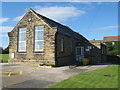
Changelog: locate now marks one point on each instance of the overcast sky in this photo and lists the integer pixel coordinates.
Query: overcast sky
(92, 20)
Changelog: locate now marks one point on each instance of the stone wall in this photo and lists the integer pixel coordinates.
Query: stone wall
(47, 56)
(68, 56)
(101, 53)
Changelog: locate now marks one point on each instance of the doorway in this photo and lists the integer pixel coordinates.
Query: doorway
(79, 53)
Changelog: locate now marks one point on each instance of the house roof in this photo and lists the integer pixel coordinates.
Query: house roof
(96, 41)
(107, 39)
(111, 38)
(62, 28)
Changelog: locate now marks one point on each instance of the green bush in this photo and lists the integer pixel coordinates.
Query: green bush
(6, 50)
(48, 64)
(113, 49)
(85, 61)
(4, 57)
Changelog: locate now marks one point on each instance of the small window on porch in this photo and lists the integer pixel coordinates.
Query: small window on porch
(89, 47)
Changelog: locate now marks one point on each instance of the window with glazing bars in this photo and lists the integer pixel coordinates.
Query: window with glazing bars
(39, 38)
(22, 40)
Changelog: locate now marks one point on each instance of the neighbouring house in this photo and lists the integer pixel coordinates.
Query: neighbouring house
(38, 39)
(112, 44)
(111, 39)
(100, 44)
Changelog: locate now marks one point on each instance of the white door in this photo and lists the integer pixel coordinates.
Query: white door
(79, 53)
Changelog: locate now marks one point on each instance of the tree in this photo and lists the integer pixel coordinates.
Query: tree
(113, 49)
(1, 50)
(6, 50)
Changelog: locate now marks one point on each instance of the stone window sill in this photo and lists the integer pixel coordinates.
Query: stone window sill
(21, 53)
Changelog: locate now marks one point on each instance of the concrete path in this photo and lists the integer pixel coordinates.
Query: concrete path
(40, 77)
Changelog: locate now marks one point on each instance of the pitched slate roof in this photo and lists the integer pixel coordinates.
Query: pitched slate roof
(62, 28)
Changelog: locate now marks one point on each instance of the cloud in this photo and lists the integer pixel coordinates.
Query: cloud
(82, 2)
(3, 35)
(59, 13)
(56, 13)
(109, 27)
(2, 20)
(18, 18)
(5, 29)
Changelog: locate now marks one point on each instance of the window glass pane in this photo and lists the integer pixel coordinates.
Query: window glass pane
(39, 35)
(22, 46)
(39, 46)
(22, 36)
(78, 51)
(40, 38)
(39, 27)
(22, 30)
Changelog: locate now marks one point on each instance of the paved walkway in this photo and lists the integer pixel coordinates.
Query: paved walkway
(25, 76)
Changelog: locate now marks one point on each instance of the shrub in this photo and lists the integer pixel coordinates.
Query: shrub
(49, 64)
(85, 61)
(113, 49)
(6, 50)
(44, 64)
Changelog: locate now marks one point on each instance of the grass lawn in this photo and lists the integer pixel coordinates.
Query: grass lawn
(4, 57)
(101, 78)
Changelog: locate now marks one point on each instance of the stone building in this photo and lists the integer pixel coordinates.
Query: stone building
(100, 44)
(112, 40)
(38, 39)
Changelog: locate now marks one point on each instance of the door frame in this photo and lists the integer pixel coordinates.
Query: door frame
(81, 56)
